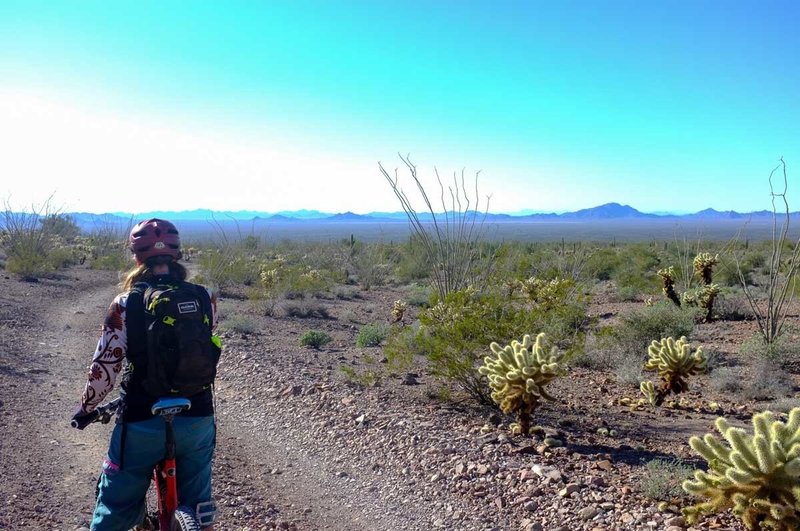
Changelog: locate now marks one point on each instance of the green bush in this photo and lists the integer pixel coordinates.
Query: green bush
(663, 479)
(372, 335)
(315, 339)
(455, 333)
(637, 328)
(227, 267)
(401, 347)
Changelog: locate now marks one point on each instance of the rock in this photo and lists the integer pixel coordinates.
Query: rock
(676, 521)
(569, 490)
(531, 505)
(499, 502)
(410, 378)
(587, 513)
(604, 465)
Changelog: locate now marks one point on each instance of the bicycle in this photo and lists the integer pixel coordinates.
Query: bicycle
(169, 515)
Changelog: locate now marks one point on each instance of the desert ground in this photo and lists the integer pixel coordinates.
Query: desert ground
(334, 438)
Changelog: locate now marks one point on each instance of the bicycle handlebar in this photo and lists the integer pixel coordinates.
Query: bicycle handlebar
(100, 414)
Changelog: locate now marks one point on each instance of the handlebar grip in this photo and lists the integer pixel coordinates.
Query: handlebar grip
(85, 421)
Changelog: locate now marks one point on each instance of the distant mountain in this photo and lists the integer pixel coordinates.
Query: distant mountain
(608, 212)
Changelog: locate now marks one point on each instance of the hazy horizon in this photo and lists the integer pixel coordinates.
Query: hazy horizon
(282, 106)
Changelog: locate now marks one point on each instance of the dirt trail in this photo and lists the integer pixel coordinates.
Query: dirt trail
(50, 469)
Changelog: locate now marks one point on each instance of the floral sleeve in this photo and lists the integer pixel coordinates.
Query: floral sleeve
(108, 356)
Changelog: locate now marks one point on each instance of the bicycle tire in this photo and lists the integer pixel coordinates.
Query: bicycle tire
(184, 519)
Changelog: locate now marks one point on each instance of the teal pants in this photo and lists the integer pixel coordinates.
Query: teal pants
(122, 489)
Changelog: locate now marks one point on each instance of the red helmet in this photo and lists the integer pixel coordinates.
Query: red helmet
(154, 237)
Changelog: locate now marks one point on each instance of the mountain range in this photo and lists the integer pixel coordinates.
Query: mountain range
(606, 212)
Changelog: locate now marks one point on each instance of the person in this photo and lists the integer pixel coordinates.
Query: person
(137, 441)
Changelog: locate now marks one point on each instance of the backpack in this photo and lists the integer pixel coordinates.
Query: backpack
(181, 354)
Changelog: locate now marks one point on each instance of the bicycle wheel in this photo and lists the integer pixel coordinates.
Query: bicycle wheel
(183, 519)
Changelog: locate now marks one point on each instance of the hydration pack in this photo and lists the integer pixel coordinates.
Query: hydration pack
(182, 354)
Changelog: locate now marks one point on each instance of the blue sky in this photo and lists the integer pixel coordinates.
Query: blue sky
(672, 105)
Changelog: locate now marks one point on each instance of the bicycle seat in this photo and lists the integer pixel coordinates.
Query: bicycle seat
(170, 406)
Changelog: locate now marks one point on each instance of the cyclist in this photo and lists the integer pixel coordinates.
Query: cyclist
(137, 442)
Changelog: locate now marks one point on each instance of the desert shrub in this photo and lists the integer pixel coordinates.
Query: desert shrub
(315, 339)
(280, 279)
(419, 295)
(402, 346)
(367, 377)
(28, 239)
(61, 257)
(732, 305)
(304, 308)
(61, 226)
(663, 479)
(345, 293)
(767, 381)
(372, 335)
(456, 331)
(227, 267)
(637, 268)
(781, 351)
(413, 264)
(726, 380)
(240, 324)
(637, 328)
(603, 264)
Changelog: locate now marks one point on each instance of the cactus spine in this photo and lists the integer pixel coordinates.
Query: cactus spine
(757, 475)
(674, 362)
(518, 373)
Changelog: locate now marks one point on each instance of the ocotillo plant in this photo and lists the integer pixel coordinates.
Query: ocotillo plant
(758, 475)
(518, 374)
(674, 362)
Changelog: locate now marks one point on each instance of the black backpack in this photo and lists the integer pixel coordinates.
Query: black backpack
(181, 354)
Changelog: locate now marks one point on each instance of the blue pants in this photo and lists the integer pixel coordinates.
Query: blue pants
(122, 490)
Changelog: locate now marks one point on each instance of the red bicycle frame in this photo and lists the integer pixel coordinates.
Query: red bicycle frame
(164, 477)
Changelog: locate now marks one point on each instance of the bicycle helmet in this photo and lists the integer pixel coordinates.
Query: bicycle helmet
(154, 237)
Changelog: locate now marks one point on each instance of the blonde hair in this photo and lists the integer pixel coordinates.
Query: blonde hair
(144, 272)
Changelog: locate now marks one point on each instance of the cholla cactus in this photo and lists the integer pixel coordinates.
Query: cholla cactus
(398, 311)
(269, 277)
(674, 362)
(518, 375)
(546, 293)
(703, 266)
(757, 475)
(703, 297)
(668, 284)
(648, 389)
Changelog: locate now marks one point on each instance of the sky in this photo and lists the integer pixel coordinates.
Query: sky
(264, 105)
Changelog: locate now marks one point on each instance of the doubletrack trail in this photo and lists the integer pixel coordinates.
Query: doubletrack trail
(49, 470)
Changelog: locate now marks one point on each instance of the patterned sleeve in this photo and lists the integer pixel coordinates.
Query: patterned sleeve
(214, 315)
(108, 356)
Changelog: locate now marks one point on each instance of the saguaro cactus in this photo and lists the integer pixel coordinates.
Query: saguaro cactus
(674, 362)
(757, 475)
(518, 374)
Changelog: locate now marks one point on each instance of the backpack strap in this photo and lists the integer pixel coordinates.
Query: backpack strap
(134, 316)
